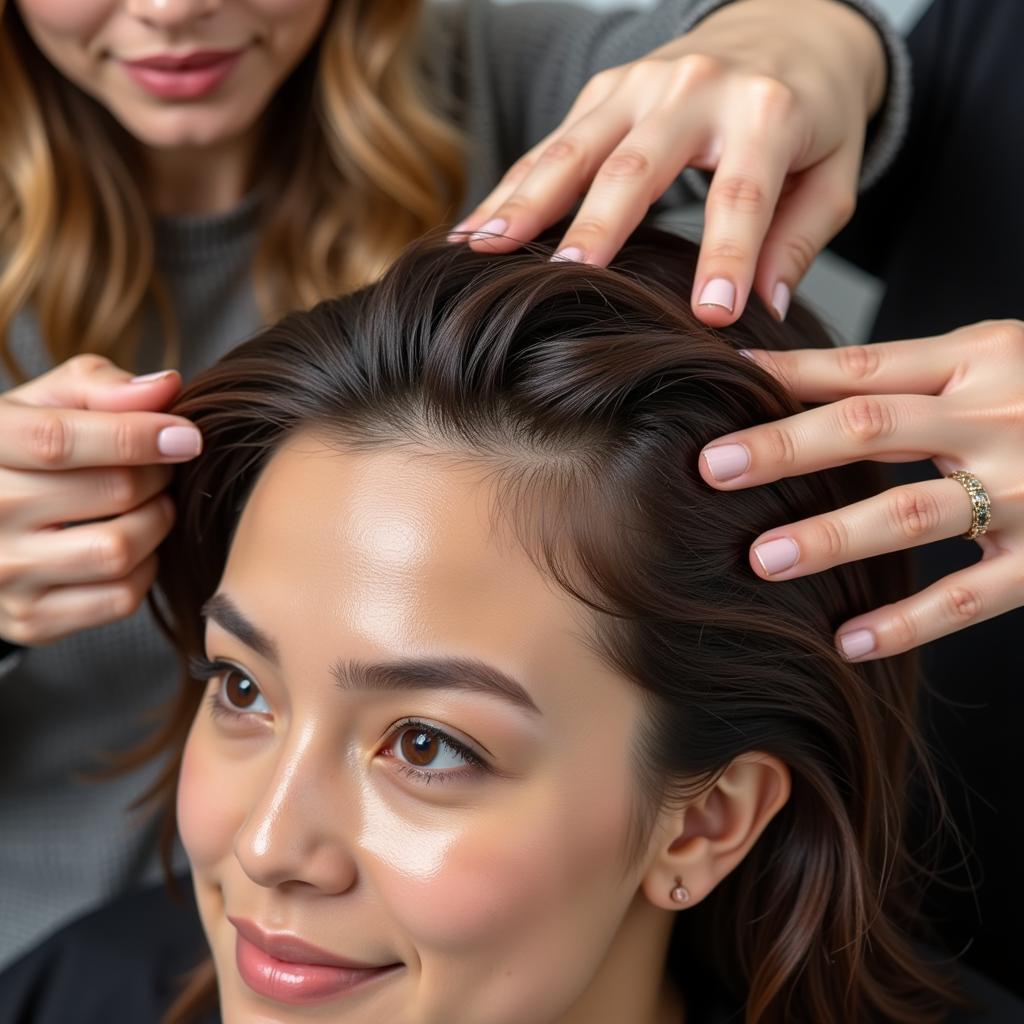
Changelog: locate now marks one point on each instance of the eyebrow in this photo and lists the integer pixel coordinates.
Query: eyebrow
(470, 675)
(466, 674)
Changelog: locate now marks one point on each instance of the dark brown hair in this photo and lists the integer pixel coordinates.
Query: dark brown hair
(592, 392)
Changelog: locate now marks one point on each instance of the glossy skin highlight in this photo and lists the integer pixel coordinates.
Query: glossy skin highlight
(503, 891)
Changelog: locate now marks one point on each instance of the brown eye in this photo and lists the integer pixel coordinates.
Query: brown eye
(419, 747)
(239, 690)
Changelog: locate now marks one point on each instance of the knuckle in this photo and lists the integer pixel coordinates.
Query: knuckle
(1009, 337)
(49, 440)
(830, 539)
(913, 514)
(962, 605)
(566, 150)
(903, 631)
(727, 251)
(770, 98)
(800, 251)
(519, 170)
(858, 362)
(626, 164)
(695, 69)
(866, 419)
(11, 571)
(843, 203)
(738, 194)
(87, 363)
(126, 442)
(780, 446)
(122, 599)
(121, 488)
(589, 229)
(112, 553)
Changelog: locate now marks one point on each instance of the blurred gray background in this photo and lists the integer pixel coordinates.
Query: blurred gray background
(844, 296)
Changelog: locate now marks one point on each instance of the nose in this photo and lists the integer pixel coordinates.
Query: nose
(171, 13)
(294, 834)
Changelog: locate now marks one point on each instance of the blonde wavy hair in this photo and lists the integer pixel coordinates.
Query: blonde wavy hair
(376, 163)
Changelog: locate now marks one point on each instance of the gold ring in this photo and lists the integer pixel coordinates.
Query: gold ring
(981, 504)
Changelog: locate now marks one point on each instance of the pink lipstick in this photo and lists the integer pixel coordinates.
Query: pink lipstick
(187, 77)
(286, 969)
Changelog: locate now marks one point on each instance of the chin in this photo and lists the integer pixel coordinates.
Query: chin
(175, 128)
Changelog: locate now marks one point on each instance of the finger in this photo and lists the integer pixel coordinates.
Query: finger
(94, 553)
(899, 518)
(592, 95)
(814, 205)
(93, 382)
(738, 212)
(634, 175)
(66, 610)
(923, 366)
(556, 180)
(887, 428)
(60, 439)
(984, 590)
(35, 500)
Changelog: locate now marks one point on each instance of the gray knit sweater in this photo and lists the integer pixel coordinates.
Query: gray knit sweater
(68, 843)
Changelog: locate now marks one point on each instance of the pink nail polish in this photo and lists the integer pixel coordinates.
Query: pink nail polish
(497, 226)
(777, 555)
(570, 254)
(857, 643)
(179, 442)
(718, 292)
(148, 378)
(726, 461)
(780, 299)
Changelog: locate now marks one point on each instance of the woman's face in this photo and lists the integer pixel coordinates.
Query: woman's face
(412, 760)
(177, 72)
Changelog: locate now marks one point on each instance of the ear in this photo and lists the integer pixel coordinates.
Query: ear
(700, 843)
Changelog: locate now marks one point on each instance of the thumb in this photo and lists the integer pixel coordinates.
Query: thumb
(94, 382)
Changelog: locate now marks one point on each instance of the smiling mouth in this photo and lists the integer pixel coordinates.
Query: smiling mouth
(288, 970)
(183, 76)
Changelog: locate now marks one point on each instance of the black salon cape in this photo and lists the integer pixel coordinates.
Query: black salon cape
(122, 964)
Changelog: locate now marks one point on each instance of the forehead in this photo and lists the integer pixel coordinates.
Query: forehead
(398, 554)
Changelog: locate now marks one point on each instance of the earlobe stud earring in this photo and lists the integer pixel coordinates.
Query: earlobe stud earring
(680, 894)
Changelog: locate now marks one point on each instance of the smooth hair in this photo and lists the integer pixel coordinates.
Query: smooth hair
(358, 153)
(590, 392)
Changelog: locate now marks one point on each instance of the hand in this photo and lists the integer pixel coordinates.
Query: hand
(959, 399)
(773, 95)
(83, 461)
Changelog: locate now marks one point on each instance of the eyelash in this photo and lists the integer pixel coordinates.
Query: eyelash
(203, 670)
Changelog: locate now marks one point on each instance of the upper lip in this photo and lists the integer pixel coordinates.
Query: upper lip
(285, 946)
(182, 61)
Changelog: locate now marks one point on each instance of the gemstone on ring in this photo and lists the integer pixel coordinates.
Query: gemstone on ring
(981, 504)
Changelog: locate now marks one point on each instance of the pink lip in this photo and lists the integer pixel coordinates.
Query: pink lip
(286, 969)
(182, 76)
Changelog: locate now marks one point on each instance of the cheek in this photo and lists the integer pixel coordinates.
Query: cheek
(538, 868)
(208, 814)
(72, 18)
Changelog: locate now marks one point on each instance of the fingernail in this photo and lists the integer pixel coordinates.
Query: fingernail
(718, 292)
(726, 461)
(492, 227)
(179, 442)
(857, 643)
(146, 378)
(458, 233)
(777, 555)
(570, 254)
(780, 299)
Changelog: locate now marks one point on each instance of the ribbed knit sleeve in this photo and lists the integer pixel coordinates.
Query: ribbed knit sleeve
(521, 66)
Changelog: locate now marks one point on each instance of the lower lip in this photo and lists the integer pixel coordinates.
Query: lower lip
(299, 984)
(184, 84)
